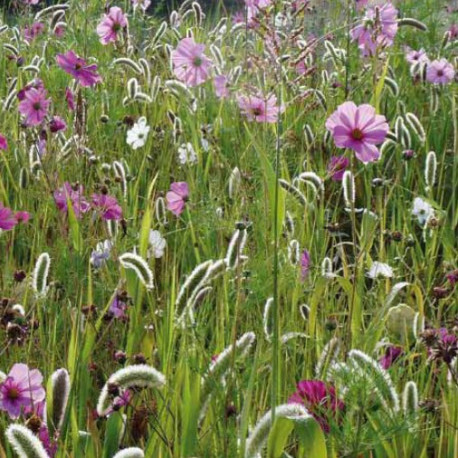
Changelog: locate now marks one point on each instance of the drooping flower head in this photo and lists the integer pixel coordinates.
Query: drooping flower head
(319, 399)
(57, 124)
(337, 166)
(177, 197)
(260, 109)
(34, 106)
(73, 194)
(358, 128)
(112, 25)
(377, 30)
(108, 206)
(190, 64)
(76, 66)
(21, 389)
(440, 72)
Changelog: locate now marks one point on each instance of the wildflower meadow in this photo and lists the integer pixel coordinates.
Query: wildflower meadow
(228, 229)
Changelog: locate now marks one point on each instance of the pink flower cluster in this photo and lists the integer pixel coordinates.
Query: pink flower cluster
(10, 219)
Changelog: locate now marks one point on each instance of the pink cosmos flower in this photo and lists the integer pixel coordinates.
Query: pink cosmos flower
(177, 197)
(221, 86)
(358, 128)
(337, 166)
(70, 99)
(3, 143)
(36, 83)
(7, 218)
(190, 64)
(378, 29)
(57, 124)
(254, 6)
(118, 308)
(319, 399)
(30, 33)
(111, 25)
(22, 388)
(59, 30)
(65, 194)
(440, 72)
(414, 56)
(22, 217)
(259, 108)
(34, 106)
(74, 65)
(31, 2)
(452, 277)
(108, 206)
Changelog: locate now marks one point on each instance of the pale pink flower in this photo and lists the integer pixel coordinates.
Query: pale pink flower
(30, 33)
(177, 197)
(8, 219)
(221, 86)
(358, 128)
(190, 64)
(34, 106)
(440, 72)
(259, 108)
(76, 66)
(111, 25)
(413, 56)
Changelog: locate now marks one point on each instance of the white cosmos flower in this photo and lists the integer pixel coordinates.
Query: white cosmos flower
(186, 154)
(137, 136)
(157, 244)
(422, 210)
(380, 269)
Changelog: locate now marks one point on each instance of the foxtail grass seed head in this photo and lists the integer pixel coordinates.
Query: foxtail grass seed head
(60, 387)
(140, 267)
(24, 442)
(267, 318)
(327, 269)
(130, 452)
(407, 21)
(128, 63)
(348, 186)
(410, 399)
(327, 358)
(258, 437)
(293, 190)
(430, 169)
(40, 275)
(234, 182)
(140, 375)
(294, 252)
(416, 127)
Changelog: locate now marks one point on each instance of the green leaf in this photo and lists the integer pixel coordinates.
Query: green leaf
(113, 429)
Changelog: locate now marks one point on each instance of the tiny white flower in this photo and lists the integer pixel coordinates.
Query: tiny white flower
(380, 269)
(157, 244)
(186, 154)
(205, 144)
(138, 134)
(422, 210)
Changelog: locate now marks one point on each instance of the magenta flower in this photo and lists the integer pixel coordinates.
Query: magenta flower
(108, 206)
(305, 264)
(65, 194)
(221, 86)
(22, 217)
(319, 399)
(118, 308)
(57, 124)
(8, 219)
(34, 106)
(177, 197)
(392, 353)
(259, 108)
(378, 29)
(37, 84)
(440, 72)
(111, 25)
(190, 64)
(21, 389)
(452, 277)
(70, 99)
(413, 56)
(337, 166)
(30, 33)
(74, 65)
(3, 143)
(358, 128)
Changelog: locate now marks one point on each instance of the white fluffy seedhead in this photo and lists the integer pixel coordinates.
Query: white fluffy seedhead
(131, 452)
(40, 275)
(327, 358)
(140, 267)
(430, 169)
(267, 318)
(25, 443)
(60, 386)
(348, 187)
(140, 375)
(258, 437)
(410, 398)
